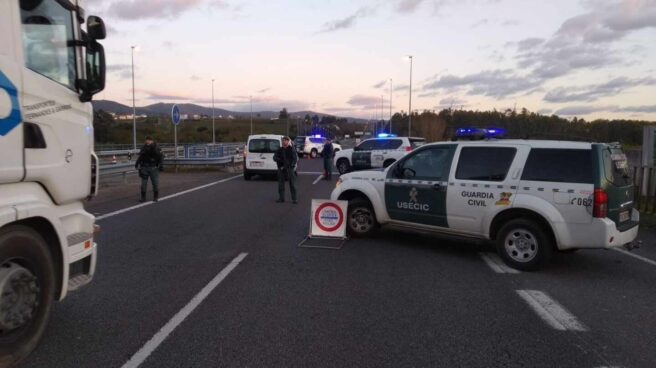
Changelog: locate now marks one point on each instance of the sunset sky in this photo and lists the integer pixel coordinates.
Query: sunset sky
(589, 58)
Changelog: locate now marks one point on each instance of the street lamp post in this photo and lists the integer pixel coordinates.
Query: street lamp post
(390, 106)
(134, 108)
(382, 109)
(410, 101)
(213, 130)
(251, 98)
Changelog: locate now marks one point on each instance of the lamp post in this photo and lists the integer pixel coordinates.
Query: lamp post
(382, 108)
(251, 98)
(213, 130)
(134, 108)
(390, 114)
(410, 101)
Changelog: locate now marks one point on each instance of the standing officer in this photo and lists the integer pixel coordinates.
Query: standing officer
(327, 154)
(286, 159)
(149, 165)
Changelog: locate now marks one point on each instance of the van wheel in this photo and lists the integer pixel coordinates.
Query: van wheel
(314, 153)
(361, 219)
(388, 163)
(343, 166)
(524, 245)
(247, 176)
(27, 286)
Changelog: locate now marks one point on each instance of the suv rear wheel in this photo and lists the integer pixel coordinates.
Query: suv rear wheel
(361, 219)
(524, 245)
(343, 166)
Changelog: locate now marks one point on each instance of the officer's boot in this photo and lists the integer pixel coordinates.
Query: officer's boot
(155, 196)
(143, 197)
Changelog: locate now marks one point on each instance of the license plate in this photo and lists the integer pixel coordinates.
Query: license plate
(624, 216)
(257, 164)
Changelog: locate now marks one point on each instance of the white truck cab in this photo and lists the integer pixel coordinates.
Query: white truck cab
(530, 197)
(50, 67)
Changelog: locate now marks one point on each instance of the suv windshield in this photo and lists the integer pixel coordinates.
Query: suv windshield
(263, 145)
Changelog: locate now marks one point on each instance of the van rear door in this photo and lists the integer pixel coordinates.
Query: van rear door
(615, 180)
(260, 153)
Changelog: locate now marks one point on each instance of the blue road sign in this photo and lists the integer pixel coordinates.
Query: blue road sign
(175, 115)
(13, 119)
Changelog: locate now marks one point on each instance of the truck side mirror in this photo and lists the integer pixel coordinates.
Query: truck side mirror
(95, 68)
(96, 28)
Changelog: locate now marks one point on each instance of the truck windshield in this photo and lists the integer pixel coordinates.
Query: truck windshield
(263, 145)
(47, 30)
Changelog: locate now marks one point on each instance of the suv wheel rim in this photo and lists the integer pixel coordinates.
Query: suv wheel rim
(342, 167)
(361, 220)
(19, 291)
(521, 245)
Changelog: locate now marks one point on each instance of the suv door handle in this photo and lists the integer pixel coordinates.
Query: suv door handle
(437, 186)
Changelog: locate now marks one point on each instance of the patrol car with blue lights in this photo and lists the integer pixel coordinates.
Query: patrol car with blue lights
(531, 197)
(377, 152)
(312, 145)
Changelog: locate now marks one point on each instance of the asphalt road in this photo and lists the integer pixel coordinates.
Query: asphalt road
(396, 299)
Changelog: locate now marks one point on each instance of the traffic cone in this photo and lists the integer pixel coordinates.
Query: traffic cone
(113, 159)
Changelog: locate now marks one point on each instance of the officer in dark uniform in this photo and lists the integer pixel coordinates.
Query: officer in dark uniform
(327, 153)
(149, 165)
(286, 158)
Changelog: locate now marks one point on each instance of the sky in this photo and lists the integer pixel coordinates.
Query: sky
(586, 58)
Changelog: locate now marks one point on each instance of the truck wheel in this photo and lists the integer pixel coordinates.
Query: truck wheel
(314, 153)
(27, 288)
(524, 245)
(361, 219)
(387, 163)
(343, 166)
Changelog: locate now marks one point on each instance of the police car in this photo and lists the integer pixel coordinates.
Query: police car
(531, 197)
(312, 145)
(375, 152)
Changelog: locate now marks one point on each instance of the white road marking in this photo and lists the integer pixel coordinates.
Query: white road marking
(644, 259)
(496, 264)
(161, 335)
(111, 214)
(317, 179)
(554, 314)
(310, 173)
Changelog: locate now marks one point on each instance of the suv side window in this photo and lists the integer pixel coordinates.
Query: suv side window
(379, 144)
(366, 145)
(318, 140)
(392, 144)
(485, 163)
(429, 164)
(559, 165)
(47, 31)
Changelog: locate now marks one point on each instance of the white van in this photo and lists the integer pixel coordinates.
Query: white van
(258, 155)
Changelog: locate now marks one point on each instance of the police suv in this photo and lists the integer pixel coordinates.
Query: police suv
(531, 197)
(375, 152)
(312, 145)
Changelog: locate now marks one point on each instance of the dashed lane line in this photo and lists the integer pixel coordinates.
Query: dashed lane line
(317, 179)
(128, 209)
(551, 312)
(644, 259)
(496, 264)
(161, 335)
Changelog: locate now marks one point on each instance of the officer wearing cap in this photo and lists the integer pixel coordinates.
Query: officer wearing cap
(328, 152)
(149, 165)
(286, 159)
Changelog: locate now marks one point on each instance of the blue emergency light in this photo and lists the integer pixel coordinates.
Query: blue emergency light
(480, 133)
(386, 135)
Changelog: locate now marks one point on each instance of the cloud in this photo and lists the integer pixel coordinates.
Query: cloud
(264, 90)
(195, 78)
(594, 92)
(362, 100)
(347, 22)
(480, 23)
(510, 23)
(544, 111)
(139, 9)
(492, 83)
(529, 43)
(122, 71)
(646, 109)
(408, 6)
(380, 84)
(583, 110)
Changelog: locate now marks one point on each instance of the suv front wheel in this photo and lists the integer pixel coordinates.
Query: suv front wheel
(343, 166)
(524, 245)
(361, 219)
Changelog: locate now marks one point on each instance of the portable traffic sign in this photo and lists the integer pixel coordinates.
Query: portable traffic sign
(327, 222)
